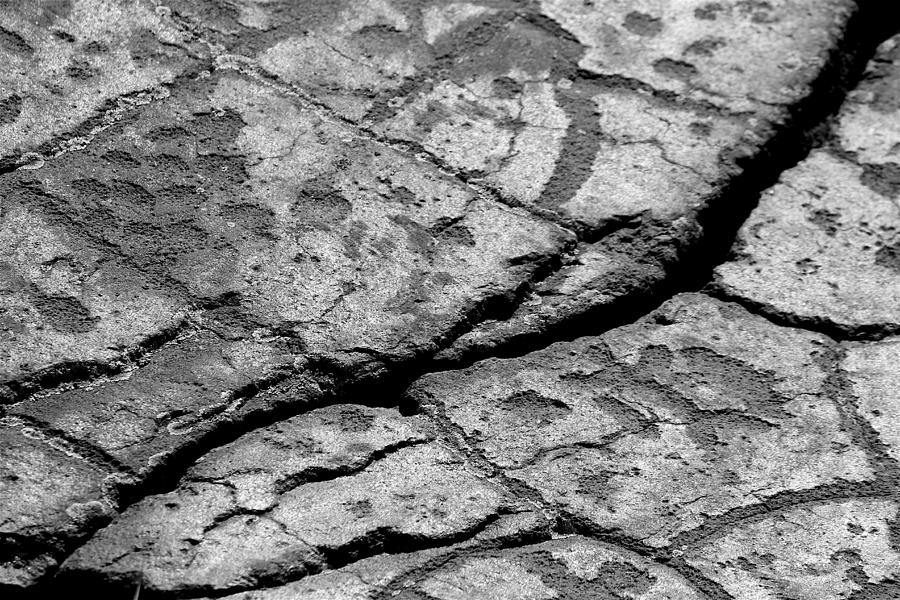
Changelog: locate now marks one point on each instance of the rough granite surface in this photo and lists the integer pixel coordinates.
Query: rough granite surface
(437, 300)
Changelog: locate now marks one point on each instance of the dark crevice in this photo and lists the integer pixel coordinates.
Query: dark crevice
(717, 525)
(320, 474)
(66, 374)
(870, 332)
(381, 382)
(805, 127)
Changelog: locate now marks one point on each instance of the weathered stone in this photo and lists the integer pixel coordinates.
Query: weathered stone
(600, 281)
(740, 55)
(813, 251)
(567, 568)
(261, 232)
(220, 218)
(360, 581)
(291, 499)
(141, 416)
(651, 139)
(825, 551)
(875, 378)
(49, 494)
(373, 577)
(64, 305)
(653, 428)
(869, 124)
(228, 193)
(823, 247)
(64, 63)
(654, 104)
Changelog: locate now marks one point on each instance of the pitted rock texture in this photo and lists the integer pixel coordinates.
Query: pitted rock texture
(824, 245)
(295, 498)
(228, 193)
(68, 63)
(653, 429)
(434, 300)
(831, 550)
(596, 115)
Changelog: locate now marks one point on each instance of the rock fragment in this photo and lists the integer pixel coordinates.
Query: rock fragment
(827, 551)
(315, 491)
(653, 428)
(821, 248)
(50, 494)
(65, 63)
(258, 241)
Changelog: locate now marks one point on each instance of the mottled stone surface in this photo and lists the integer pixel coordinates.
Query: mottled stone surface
(291, 499)
(653, 428)
(227, 236)
(872, 369)
(66, 63)
(707, 50)
(593, 114)
(568, 568)
(385, 299)
(571, 567)
(48, 491)
(841, 549)
(229, 193)
(823, 246)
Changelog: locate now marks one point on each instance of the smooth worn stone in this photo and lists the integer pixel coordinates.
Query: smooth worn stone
(818, 250)
(875, 381)
(824, 551)
(653, 428)
(67, 65)
(50, 494)
(291, 499)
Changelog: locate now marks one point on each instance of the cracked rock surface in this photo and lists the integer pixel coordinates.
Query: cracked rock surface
(823, 247)
(450, 300)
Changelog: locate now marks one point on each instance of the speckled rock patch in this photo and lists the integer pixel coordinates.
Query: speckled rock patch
(382, 299)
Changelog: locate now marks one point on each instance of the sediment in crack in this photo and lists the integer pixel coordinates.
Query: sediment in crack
(62, 376)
